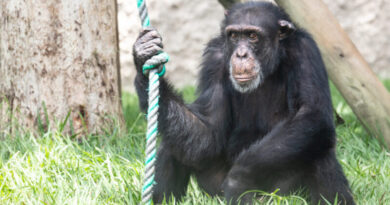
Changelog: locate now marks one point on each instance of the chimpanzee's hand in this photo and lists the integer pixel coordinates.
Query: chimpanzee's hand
(148, 44)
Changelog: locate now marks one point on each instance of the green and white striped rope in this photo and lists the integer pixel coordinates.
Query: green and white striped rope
(153, 92)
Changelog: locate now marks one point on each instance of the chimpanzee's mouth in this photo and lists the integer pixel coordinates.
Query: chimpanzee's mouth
(244, 78)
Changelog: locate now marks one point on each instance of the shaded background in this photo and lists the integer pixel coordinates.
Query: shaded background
(187, 25)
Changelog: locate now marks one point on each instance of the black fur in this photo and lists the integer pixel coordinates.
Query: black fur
(279, 136)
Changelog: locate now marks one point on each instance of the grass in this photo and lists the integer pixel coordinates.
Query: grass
(53, 169)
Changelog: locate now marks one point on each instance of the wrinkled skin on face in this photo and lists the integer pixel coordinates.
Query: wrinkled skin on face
(253, 47)
(244, 68)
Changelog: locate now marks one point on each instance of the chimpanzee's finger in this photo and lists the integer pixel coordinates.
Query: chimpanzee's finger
(149, 36)
(145, 30)
(156, 41)
(153, 50)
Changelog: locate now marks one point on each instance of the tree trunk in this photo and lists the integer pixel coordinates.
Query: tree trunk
(60, 56)
(348, 70)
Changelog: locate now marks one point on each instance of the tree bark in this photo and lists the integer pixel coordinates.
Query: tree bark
(59, 56)
(348, 70)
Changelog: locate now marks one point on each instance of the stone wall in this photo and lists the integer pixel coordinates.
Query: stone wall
(187, 25)
(367, 23)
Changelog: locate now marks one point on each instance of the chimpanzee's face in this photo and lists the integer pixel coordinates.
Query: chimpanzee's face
(252, 39)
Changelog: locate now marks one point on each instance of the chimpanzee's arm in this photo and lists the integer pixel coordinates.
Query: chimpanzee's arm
(195, 132)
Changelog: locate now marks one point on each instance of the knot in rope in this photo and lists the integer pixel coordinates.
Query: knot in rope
(159, 61)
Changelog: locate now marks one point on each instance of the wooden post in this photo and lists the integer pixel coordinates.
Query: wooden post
(348, 70)
(58, 56)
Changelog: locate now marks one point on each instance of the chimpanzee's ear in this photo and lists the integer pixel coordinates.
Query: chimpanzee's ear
(286, 28)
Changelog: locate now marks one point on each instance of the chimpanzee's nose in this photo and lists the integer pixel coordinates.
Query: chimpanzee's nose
(241, 52)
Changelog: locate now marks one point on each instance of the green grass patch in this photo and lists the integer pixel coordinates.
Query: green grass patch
(53, 169)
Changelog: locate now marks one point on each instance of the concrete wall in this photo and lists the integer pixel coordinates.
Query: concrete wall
(187, 25)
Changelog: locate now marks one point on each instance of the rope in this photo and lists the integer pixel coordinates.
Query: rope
(148, 68)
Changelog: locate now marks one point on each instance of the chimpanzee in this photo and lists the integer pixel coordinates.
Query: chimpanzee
(263, 119)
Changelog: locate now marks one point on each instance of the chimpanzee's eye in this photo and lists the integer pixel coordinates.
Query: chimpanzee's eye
(253, 36)
(233, 35)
